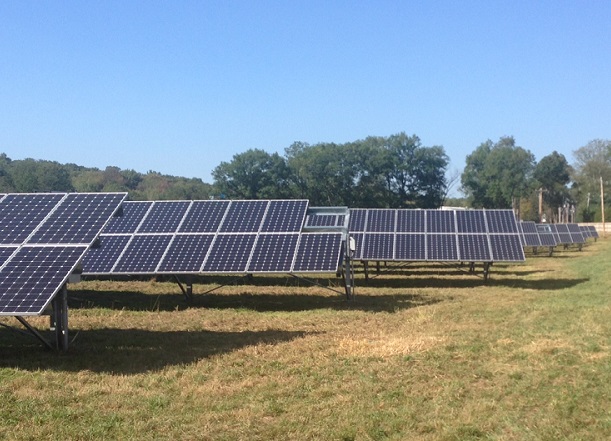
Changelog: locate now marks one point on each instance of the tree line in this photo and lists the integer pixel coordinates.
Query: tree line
(396, 171)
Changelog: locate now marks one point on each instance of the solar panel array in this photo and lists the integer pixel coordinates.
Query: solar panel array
(556, 234)
(215, 236)
(42, 240)
(435, 235)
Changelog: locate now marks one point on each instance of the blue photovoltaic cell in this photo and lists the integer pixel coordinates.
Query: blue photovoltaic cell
(101, 257)
(186, 253)
(532, 240)
(528, 227)
(563, 233)
(204, 217)
(474, 247)
(440, 221)
(5, 253)
(229, 253)
(128, 218)
(78, 219)
(285, 216)
(506, 248)
(358, 242)
(442, 247)
(410, 221)
(378, 246)
(547, 237)
(501, 221)
(273, 253)
(593, 232)
(318, 252)
(244, 217)
(575, 233)
(410, 247)
(143, 254)
(20, 214)
(585, 231)
(357, 220)
(324, 220)
(470, 221)
(33, 275)
(164, 217)
(381, 220)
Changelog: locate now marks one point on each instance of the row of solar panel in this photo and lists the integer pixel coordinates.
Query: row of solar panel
(222, 216)
(43, 237)
(214, 253)
(438, 247)
(536, 235)
(432, 221)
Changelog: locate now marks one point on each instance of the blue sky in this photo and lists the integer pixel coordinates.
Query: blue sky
(177, 87)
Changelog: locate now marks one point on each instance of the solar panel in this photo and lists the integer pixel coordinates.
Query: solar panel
(506, 248)
(30, 279)
(442, 247)
(440, 221)
(410, 221)
(204, 217)
(164, 217)
(501, 221)
(474, 247)
(324, 220)
(470, 221)
(101, 257)
(244, 217)
(273, 253)
(142, 254)
(546, 235)
(78, 219)
(20, 214)
(593, 232)
(5, 253)
(528, 227)
(186, 253)
(563, 233)
(378, 246)
(285, 216)
(129, 218)
(358, 216)
(529, 235)
(575, 233)
(410, 246)
(585, 231)
(229, 253)
(358, 242)
(381, 220)
(318, 252)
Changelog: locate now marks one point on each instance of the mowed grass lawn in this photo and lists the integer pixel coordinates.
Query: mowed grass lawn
(423, 352)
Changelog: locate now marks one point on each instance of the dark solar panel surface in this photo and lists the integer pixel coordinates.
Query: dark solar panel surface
(593, 232)
(357, 220)
(442, 247)
(164, 217)
(78, 219)
(230, 253)
(440, 221)
(244, 217)
(410, 221)
(501, 221)
(204, 217)
(470, 221)
(563, 234)
(575, 233)
(186, 253)
(143, 254)
(274, 253)
(528, 227)
(378, 246)
(410, 246)
(20, 214)
(506, 247)
(285, 216)
(102, 257)
(5, 253)
(381, 220)
(318, 252)
(131, 216)
(358, 242)
(30, 279)
(324, 220)
(547, 237)
(474, 248)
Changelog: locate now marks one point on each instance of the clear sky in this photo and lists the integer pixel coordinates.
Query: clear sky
(180, 86)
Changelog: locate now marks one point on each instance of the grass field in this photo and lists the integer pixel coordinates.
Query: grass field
(423, 352)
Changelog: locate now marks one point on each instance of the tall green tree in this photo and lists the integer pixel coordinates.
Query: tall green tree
(254, 174)
(552, 174)
(498, 175)
(592, 163)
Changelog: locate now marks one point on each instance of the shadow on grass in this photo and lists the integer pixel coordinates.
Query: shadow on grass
(260, 302)
(131, 351)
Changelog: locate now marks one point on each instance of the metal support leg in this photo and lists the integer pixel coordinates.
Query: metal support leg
(486, 270)
(366, 267)
(60, 318)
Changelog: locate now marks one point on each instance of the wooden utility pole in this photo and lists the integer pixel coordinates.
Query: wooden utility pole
(602, 205)
(541, 204)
